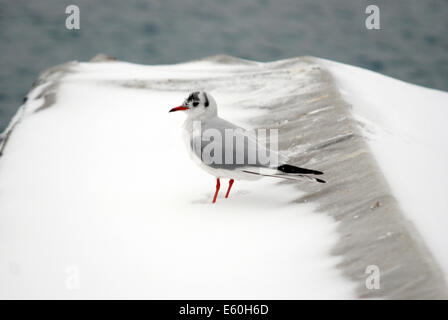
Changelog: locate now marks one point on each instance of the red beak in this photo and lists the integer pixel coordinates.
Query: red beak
(179, 108)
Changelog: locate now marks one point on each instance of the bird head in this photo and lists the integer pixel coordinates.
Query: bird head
(198, 104)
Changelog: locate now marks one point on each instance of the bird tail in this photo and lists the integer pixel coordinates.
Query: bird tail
(288, 172)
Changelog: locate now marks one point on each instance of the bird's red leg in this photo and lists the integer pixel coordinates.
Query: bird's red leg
(230, 187)
(217, 189)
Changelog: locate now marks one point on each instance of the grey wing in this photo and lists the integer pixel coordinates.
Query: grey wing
(224, 145)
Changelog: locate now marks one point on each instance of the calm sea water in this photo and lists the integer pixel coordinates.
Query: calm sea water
(412, 44)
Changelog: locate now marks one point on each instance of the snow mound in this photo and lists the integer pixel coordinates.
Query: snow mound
(99, 199)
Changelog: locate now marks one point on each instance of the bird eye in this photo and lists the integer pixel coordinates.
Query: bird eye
(195, 104)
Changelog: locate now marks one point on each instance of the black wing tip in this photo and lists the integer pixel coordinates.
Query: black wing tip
(320, 180)
(287, 168)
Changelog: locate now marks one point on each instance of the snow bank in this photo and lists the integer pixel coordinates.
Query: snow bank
(98, 199)
(406, 128)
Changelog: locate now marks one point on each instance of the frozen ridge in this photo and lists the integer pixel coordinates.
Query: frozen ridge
(88, 211)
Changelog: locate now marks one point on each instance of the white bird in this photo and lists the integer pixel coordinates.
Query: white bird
(202, 113)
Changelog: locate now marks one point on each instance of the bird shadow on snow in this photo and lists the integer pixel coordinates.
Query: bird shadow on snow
(207, 198)
(261, 196)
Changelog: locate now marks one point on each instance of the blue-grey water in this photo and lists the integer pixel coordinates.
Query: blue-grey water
(412, 44)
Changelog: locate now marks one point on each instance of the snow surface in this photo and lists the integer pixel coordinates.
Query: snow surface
(406, 127)
(99, 199)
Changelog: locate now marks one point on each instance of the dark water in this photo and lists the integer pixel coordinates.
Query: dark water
(412, 45)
